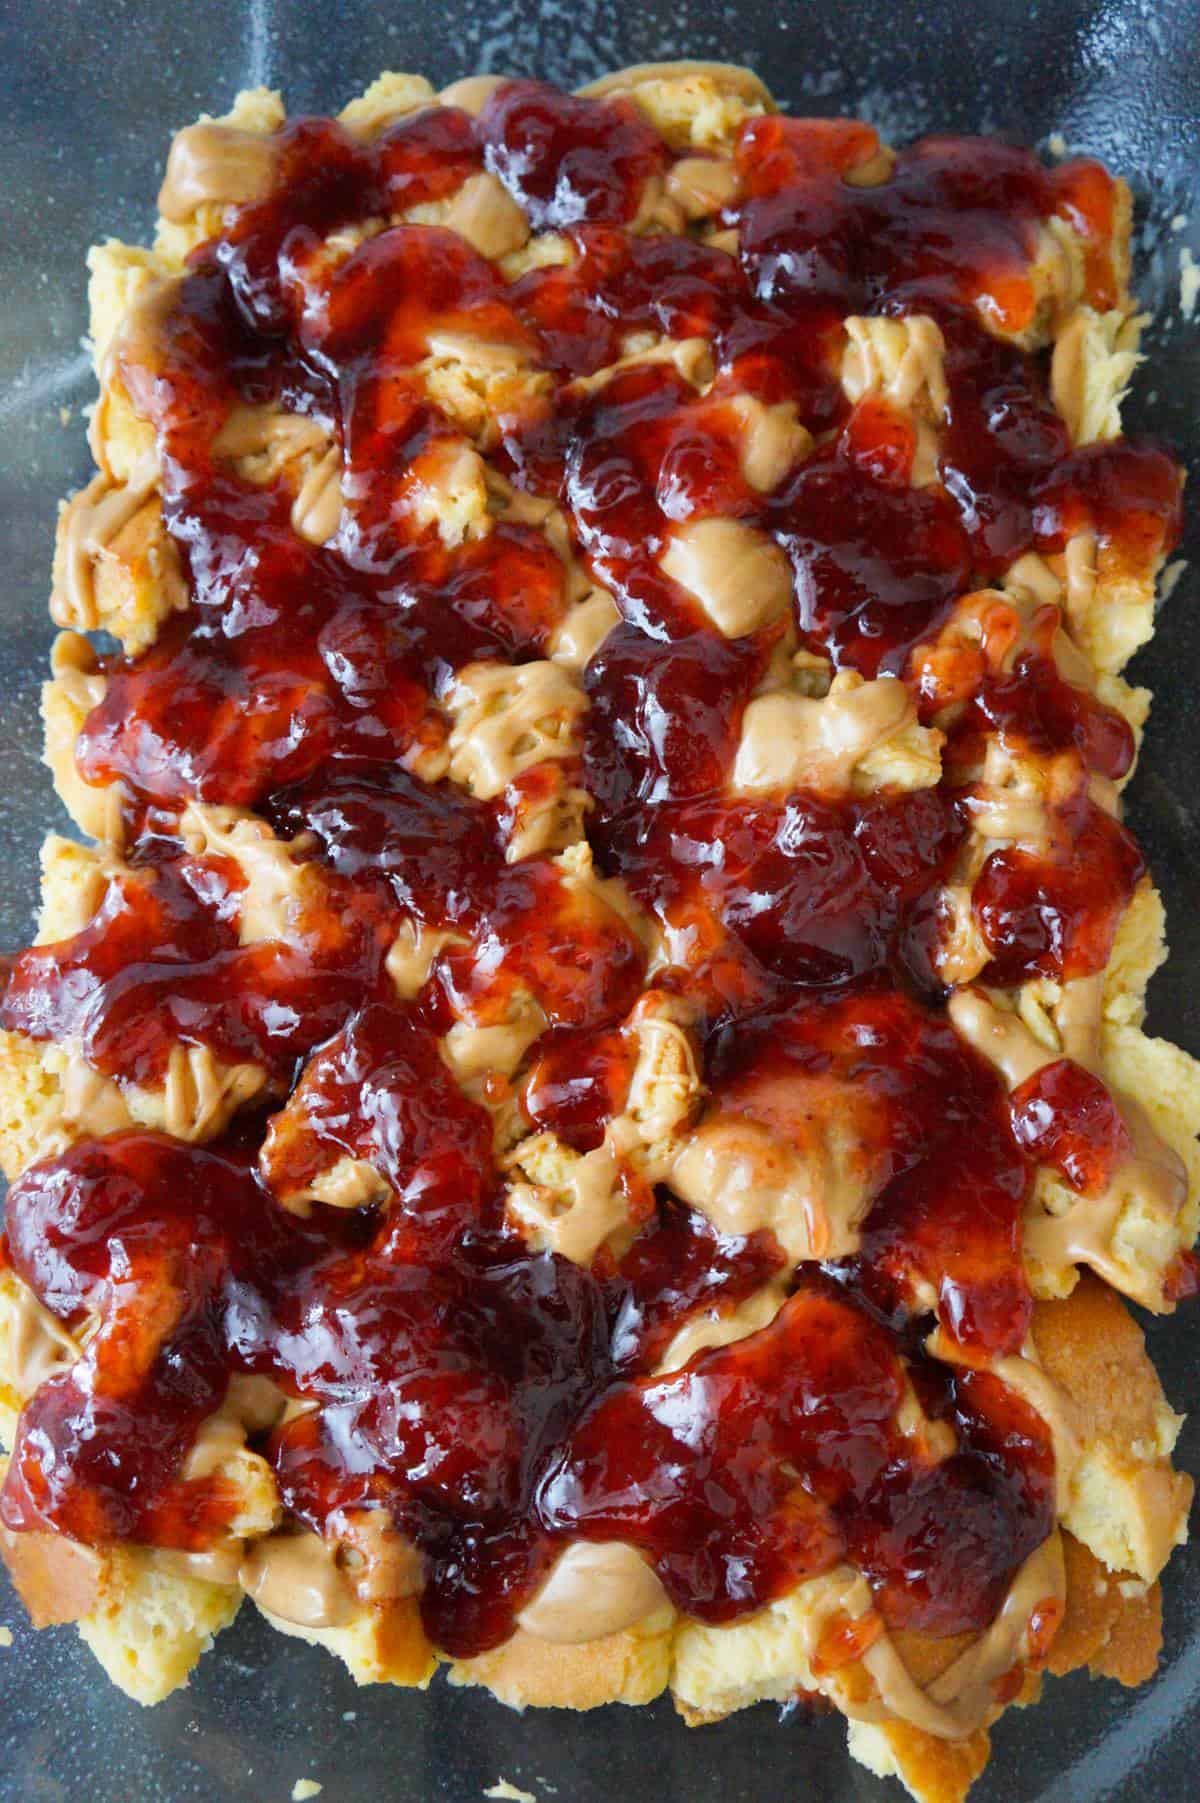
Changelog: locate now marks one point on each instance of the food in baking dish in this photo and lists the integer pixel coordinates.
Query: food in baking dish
(581, 1108)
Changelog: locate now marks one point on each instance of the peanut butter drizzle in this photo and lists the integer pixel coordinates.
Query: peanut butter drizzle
(216, 1565)
(716, 1328)
(1026, 1376)
(90, 522)
(383, 1565)
(594, 1589)
(317, 509)
(297, 1577)
(472, 93)
(735, 1171)
(1154, 1173)
(900, 358)
(215, 164)
(795, 741)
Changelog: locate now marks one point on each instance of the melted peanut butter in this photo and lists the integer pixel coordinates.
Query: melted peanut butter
(90, 522)
(217, 1565)
(576, 1218)
(703, 185)
(91, 1103)
(594, 1589)
(38, 1344)
(746, 1180)
(738, 575)
(382, 1564)
(213, 164)
(317, 509)
(899, 358)
(585, 628)
(297, 1577)
(797, 742)
(506, 721)
(1026, 1376)
(472, 92)
(723, 1328)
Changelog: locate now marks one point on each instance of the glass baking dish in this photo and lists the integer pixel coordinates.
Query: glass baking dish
(90, 97)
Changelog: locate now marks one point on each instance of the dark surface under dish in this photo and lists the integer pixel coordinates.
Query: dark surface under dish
(1125, 87)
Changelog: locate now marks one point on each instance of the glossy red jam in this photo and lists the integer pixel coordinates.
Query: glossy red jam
(1068, 1120)
(1055, 914)
(814, 1393)
(497, 1400)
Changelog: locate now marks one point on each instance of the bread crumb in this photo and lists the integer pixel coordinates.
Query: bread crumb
(502, 1788)
(1056, 144)
(1170, 576)
(304, 1788)
(1189, 282)
(5, 1636)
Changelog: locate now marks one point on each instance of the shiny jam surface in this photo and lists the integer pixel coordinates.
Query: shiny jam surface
(498, 1400)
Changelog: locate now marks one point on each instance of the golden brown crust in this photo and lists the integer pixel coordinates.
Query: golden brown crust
(56, 1579)
(1110, 1625)
(1093, 1347)
(937, 1771)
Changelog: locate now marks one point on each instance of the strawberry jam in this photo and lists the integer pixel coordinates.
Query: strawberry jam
(499, 1400)
(816, 1393)
(1066, 1117)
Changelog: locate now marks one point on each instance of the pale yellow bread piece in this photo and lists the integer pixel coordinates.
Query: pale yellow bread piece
(32, 1108)
(390, 96)
(690, 103)
(1139, 949)
(1166, 1081)
(120, 575)
(382, 1646)
(146, 1625)
(630, 1667)
(1125, 1502)
(932, 1771)
(150, 1626)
